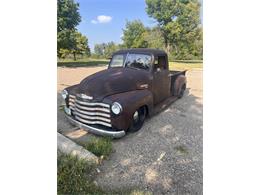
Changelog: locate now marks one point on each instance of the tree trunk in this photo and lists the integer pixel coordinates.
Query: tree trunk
(168, 49)
(74, 55)
(176, 48)
(166, 45)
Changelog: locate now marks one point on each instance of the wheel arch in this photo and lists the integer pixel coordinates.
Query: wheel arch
(130, 102)
(179, 82)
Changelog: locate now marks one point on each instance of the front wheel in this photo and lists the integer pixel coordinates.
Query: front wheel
(138, 119)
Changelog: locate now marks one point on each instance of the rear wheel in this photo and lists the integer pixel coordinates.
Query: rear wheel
(183, 88)
(138, 119)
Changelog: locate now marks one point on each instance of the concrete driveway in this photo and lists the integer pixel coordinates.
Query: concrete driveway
(165, 156)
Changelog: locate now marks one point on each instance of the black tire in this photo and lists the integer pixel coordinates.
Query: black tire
(138, 120)
(183, 88)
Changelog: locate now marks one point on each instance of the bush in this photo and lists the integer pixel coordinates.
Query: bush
(74, 176)
(100, 146)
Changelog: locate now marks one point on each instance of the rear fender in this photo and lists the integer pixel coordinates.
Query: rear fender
(180, 80)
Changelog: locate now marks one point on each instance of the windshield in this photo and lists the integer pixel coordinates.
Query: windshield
(117, 60)
(137, 61)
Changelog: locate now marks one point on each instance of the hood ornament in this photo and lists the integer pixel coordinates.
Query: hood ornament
(84, 96)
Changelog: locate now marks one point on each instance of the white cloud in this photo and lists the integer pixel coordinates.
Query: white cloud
(104, 19)
(101, 19)
(94, 22)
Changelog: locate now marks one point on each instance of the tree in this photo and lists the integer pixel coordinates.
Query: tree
(65, 41)
(179, 23)
(69, 40)
(133, 34)
(80, 45)
(153, 38)
(110, 48)
(99, 49)
(68, 16)
(105, 49)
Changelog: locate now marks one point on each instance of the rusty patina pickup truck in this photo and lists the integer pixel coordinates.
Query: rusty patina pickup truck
(136, 84)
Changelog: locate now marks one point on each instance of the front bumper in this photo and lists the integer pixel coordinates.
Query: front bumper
(114, 134)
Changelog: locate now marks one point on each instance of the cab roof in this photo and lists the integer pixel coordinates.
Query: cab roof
(141, 50)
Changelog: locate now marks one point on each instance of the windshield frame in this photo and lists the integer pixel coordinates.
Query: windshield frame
(126, 56)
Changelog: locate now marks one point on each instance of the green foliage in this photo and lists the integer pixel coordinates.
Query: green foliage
(72, 42)
(81, 44)
(182, 149)
(105, 50)
(67, 19)
(74, 176)
(68, 16)
(180, 26)
(99, 49)
(64, 41)
(100, 146)
(110, 48)
(153, 38)
(69, 40)
(133, 35)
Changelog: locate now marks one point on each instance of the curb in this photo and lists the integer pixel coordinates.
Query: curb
(67, 146)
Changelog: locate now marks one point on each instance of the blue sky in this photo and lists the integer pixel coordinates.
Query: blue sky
(103, 20)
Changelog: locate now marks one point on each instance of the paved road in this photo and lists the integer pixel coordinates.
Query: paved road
(165, 156)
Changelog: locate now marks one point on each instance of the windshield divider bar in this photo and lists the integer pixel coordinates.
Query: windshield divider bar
(125, 59)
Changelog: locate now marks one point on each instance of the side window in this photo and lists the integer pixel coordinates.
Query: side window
(162, 62)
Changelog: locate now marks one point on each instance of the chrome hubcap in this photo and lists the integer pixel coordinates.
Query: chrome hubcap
(135, 115)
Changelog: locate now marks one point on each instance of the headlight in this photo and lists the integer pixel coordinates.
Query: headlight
(116, 108)
(64, 94)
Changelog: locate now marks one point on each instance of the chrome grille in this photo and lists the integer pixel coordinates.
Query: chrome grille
(90, 112)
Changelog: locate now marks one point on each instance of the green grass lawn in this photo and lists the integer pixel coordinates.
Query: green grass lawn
(100, 146)
(89, 62)
(185, 65)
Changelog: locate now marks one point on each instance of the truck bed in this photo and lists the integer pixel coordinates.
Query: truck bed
(175, 72)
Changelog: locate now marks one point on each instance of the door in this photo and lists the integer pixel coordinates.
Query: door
(161, 80)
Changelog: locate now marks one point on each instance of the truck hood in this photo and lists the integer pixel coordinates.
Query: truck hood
(112, 81)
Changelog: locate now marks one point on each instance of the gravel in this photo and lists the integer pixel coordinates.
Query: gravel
(166, 155)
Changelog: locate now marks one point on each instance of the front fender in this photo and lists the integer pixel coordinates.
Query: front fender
(130, 102)
(72, 90)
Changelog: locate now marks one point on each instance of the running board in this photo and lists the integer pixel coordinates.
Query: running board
(164, 104)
